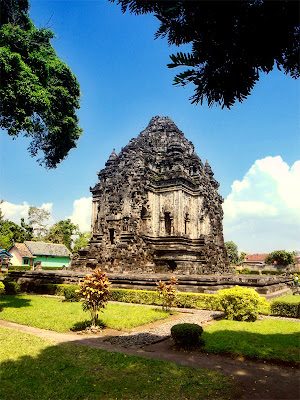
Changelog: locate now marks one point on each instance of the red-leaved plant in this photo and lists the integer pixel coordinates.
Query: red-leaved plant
(94, 291)
(167, 292)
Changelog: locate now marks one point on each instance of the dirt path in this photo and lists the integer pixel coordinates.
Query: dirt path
(259, 381)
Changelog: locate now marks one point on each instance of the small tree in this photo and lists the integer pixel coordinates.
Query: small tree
(167, 292)
(94, 291)
(281, 257)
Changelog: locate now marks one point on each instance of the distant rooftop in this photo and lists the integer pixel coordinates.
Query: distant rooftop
(47, 249)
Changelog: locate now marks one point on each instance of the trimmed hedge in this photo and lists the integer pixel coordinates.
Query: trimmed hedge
(183, 300)
(19, 267)
(12, 287)
(286, 307)
(28, 268)
(151, 297)
(2, 288)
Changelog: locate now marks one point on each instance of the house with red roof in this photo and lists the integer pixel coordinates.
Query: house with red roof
(21, 255)
(255, 259)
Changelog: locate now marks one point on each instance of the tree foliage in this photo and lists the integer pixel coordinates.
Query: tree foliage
(232, 42)
(61, 233)
(37, 220)
(281, 257)
(10, 232)
(81, 241)
(39, 94)
(232, 252)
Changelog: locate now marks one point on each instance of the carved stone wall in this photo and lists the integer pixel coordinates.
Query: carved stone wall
(156, 208)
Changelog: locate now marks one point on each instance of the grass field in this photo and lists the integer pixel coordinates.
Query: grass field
(267, 339)
(35, 369)
(60, 316)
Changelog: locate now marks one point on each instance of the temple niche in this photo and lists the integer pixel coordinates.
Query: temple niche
(156, 208)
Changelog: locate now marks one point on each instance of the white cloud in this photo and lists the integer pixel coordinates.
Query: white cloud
(262, 212)
(14, 212)
(82, 211)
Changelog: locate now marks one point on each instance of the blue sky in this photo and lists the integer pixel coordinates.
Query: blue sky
(124, 82)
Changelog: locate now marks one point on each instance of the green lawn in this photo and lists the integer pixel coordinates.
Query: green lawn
(267, 339)
(60, 316)
(32, 368)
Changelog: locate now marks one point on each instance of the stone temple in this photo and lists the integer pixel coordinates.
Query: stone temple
(156, 208)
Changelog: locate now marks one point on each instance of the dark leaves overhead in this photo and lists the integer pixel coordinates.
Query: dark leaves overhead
(39, 95)
(232, 42)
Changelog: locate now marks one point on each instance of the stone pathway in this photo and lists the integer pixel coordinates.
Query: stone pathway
(158, 333)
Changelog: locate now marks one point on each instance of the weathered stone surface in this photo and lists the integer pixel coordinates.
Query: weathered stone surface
(156, 208)
(266, 285)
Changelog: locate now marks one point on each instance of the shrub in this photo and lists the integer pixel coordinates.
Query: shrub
(167, 293)
(135, 296)
(51, 268)
(94, 291)
(70, 292)
(286, 307)
(12, 287)
(183, 300)
(2, 288)
(198, 300)
(19, 267)
(240, 304)
(187, 335)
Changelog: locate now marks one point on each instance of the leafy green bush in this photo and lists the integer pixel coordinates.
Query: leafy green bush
(2, 288)
(51, 268)
(187, 335)
(240, 304)
(19, 267)
(286, 307)
(12, 287)
(71, 292)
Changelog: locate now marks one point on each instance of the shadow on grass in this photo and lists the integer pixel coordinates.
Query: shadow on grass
(13, 301)
(69, 371)
(279, 348)
(82, 325)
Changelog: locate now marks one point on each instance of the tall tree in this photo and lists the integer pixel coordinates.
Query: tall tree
(232, 252)
(37, 220)
(232, 42)
(39, 94)
(62, 232)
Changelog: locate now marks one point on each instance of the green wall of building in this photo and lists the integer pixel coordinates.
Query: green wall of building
(50, 261)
